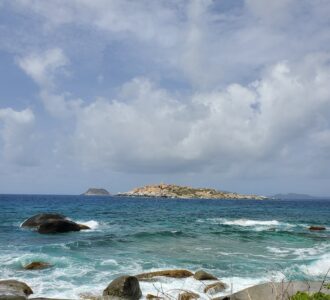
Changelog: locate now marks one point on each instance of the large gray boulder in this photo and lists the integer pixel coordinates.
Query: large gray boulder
(58, 226)
(202, 275)
(14, 290)
(166, 273)
(215, 288)
(38, 219)
(124, 287)
(275, 291)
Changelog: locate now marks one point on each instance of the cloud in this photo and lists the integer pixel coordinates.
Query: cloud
(17, 134)
(44, 68)
(150, 129)
(232, 88)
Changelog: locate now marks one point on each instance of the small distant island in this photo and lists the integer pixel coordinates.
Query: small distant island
(294, 196)
(96, 192)
(176, 191)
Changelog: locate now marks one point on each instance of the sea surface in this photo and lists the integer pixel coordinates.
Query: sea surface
(243, 242)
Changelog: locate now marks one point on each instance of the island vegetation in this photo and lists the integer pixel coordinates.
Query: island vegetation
(186, 192)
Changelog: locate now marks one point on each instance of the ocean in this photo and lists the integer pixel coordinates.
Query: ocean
(243, 242)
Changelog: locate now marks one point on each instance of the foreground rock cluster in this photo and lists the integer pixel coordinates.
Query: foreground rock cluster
(176, 191)
(128, 288)
(46, 223)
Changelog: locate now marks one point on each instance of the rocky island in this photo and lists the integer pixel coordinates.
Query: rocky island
(177, 191)
(96, 192)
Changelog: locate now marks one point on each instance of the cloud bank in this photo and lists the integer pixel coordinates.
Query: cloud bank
(234, 90)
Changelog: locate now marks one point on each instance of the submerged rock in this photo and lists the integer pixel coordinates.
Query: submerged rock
(188, 296)
(126, 287)
(317, 228)
(58, 226)
(14, 290)
(202, 275)
(166, 273)
(37, 265)
(38, 219)
(215, 288)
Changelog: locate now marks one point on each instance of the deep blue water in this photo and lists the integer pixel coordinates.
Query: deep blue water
(243, 242)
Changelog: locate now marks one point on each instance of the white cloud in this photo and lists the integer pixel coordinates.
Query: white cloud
(44, 68)
(17, 133)
(149, 129)
(230, 87)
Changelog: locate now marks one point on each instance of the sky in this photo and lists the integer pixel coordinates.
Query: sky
(229, 94)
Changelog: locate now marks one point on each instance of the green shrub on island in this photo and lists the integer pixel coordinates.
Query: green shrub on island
(306, 296)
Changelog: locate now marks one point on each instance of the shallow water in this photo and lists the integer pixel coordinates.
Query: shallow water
(243, 242)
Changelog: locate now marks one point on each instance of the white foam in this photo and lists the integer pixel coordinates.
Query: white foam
(249, 223)
(280, 251)
(319, 267)
(111, 262)
(258, 225)
(92, 224)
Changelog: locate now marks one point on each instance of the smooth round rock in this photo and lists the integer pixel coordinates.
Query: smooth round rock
(126, 287)
(202, 275)
(36, 220)
(58, 226)
(14, 290)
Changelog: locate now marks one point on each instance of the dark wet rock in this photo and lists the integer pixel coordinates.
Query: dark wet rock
(275, 291)
(36, 220)
(215, 288)
(14, 290)
(42, 298)
(166, 273)
(37, 265)
(202, 275)
(315, 228)
(58, 226)
(84, 227)
(188, 296)
(126, 287)
(153, 297)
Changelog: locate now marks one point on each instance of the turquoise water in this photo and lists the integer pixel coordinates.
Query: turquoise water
(242, 242)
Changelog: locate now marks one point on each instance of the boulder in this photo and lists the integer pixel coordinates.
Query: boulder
(42, 298)
(37, 265)
(126, 287)
(317, 228)
(215, 288)
(188, 296)
(36, 220)
(202, 275)
(58, 226)
(14, 290)
(276, 290)
(166, 273)
(153, 297)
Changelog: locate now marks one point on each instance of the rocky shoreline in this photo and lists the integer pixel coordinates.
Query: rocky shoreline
(127, 287)
(186, 192)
